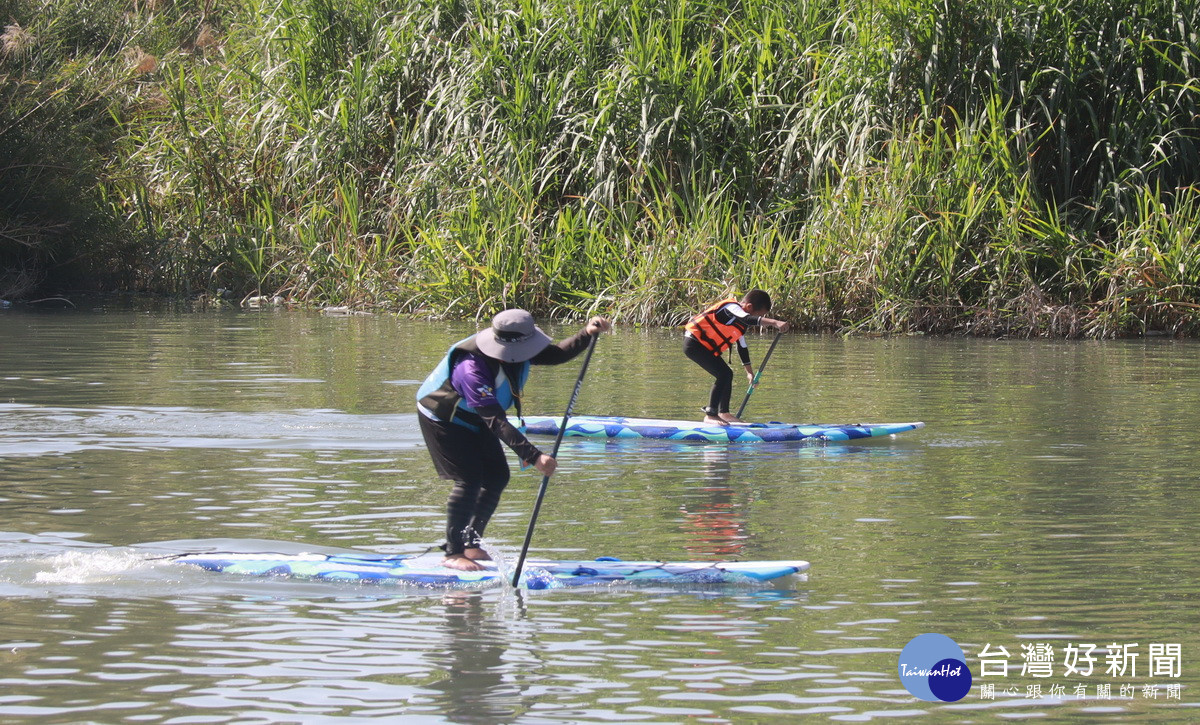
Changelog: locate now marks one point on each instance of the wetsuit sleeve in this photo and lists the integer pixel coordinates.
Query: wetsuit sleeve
(743, 350)
(563, 351)
(497, 422)
(733, 314)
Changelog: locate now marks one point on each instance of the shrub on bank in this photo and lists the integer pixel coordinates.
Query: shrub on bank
(888, 165)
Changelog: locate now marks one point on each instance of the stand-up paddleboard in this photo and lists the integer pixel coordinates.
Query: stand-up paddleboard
(428, 571)
(599, 426)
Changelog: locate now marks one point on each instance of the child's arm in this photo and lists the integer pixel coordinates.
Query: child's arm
(744, 354)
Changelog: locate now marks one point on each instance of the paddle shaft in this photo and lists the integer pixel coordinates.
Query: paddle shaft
(758, 374)
(537, 505)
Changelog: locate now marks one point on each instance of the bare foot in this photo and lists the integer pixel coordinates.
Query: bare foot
(474, 553)
(460, 562)
(731, 418)
(714, 420)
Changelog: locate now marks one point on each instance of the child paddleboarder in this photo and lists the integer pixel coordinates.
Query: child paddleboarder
(462, 411)
(712, 332)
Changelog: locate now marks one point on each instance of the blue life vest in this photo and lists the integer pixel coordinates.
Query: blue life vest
(438, 399)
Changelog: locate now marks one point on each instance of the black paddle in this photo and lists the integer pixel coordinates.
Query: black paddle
(758, 374)
(537, 505)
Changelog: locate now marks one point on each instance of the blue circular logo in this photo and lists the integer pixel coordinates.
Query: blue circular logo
(933, 668)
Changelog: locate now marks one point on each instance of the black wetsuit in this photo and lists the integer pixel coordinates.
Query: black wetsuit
(474, 459)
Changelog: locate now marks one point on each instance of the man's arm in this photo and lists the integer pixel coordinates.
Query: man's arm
(497, 422)
(569, 348)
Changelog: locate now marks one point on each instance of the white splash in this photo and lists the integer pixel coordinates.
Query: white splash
(84, 567)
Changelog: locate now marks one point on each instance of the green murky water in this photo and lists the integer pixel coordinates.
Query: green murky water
(1050, 503)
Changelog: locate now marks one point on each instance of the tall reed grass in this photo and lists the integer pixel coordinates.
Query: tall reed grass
(878, 165)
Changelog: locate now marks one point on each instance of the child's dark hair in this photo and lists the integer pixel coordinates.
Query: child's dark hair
(760, 299)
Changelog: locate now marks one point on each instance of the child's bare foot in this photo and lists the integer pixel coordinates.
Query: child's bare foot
(460, 562)
(714, 420)
(474, 553)
(730, 418)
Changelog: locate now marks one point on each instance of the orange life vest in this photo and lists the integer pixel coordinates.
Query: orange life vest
(712, 334)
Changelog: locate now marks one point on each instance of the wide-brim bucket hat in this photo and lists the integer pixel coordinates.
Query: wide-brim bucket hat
(513, 337)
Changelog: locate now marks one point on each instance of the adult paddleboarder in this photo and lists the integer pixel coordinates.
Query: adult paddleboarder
(463, 408)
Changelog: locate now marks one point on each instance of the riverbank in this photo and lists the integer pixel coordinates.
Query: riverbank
(881, 166)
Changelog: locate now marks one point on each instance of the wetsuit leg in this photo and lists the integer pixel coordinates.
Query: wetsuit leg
(473, 502)
(459, 511)
(485, 505)
(722, 389)
(475, 462)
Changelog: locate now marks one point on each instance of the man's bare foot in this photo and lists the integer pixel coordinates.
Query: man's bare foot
(460, 562)
(714, 420)
(730, 418)
(474, 553)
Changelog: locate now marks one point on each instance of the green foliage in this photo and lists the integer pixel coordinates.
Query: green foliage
(943, 165)
(54, 220)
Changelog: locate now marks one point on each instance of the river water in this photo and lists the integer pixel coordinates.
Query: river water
(1049, 506)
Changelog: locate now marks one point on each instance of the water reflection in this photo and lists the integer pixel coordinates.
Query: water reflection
(36, 430)
(714, 519)
(1047, 499)
(474, 684)
(704, 494)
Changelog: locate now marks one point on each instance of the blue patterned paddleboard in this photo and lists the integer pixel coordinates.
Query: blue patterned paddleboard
(599, 426)
(428, 571)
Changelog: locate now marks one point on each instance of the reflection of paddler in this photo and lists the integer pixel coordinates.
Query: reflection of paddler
(716, 466)
(716, 524)
(473, 687)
